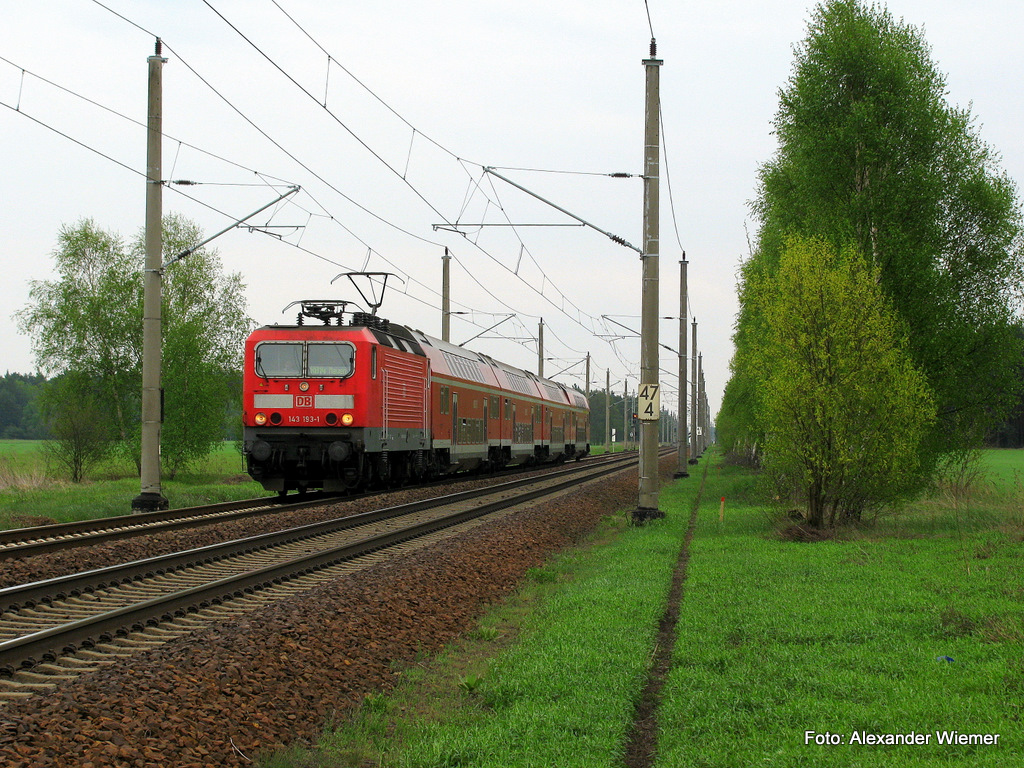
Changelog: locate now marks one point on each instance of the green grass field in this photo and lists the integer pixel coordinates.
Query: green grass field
(874, 633)
(782, 649)
(1004, 469)
(31, 494)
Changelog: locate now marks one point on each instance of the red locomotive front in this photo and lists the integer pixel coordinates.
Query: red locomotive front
(334, 407)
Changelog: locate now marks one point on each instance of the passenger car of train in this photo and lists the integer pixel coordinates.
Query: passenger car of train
(359, 402)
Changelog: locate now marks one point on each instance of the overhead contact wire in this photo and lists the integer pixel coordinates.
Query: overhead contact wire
(385, 221)
(394, 170)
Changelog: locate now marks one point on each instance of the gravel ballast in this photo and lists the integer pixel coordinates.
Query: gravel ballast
(223, 694)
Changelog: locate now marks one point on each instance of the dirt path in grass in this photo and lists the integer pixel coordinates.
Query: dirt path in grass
(642, 739)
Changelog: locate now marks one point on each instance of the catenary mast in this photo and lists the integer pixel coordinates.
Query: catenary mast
(649, 391)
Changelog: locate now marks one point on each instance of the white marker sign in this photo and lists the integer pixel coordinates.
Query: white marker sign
(649, 402)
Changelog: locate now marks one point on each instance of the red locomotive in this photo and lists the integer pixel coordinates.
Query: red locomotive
(347, 406)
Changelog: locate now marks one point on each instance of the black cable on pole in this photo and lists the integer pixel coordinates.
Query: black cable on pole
(295, 159)
(647, 7)
(363, 85)
(126, 19)
(668, 181)
(105, 156)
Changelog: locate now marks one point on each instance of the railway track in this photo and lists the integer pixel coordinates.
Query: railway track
(26, 542)
(62, 627)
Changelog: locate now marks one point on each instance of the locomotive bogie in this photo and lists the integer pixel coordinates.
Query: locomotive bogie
(292, 459)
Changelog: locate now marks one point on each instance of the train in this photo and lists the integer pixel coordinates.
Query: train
(357, 401)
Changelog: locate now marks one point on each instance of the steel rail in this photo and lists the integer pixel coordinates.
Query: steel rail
(24, 542)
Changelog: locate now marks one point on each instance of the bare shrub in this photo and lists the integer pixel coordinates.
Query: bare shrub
(960, 475)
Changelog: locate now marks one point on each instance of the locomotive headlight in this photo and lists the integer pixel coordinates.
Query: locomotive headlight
(260, 419)
(303, 386)
(347, 419)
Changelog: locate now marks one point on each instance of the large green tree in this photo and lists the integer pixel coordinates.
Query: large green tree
(843, 407)
(872, 154)
(88, 322)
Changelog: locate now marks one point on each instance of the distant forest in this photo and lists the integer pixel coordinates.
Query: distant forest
(20, 419)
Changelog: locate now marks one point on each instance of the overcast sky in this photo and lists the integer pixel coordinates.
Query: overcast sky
(446, 88)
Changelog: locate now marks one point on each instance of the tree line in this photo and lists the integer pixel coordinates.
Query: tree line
(21, 417)
(879, 335)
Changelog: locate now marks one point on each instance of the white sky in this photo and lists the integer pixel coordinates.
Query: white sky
(528, 84)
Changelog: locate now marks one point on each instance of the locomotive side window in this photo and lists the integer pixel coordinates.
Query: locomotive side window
(330, 360)
(278, 361)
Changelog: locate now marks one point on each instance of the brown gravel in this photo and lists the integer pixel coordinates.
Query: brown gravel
(222, 695)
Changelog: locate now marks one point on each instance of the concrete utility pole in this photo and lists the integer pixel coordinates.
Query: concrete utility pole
(705, 411)
(446, 296)
(608, 411)
(693, 401)
(150, 497)
(682, 445)
(540, 349)
(649, 391)
(625, 415)
(699, 419)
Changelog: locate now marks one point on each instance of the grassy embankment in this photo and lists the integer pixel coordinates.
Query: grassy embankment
(911, 625)
(29, 489)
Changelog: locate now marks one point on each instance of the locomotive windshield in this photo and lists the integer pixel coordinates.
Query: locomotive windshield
(293, 360)
(330, 360)
(279, 361)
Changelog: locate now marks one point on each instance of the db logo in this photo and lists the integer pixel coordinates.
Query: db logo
(303, 401)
